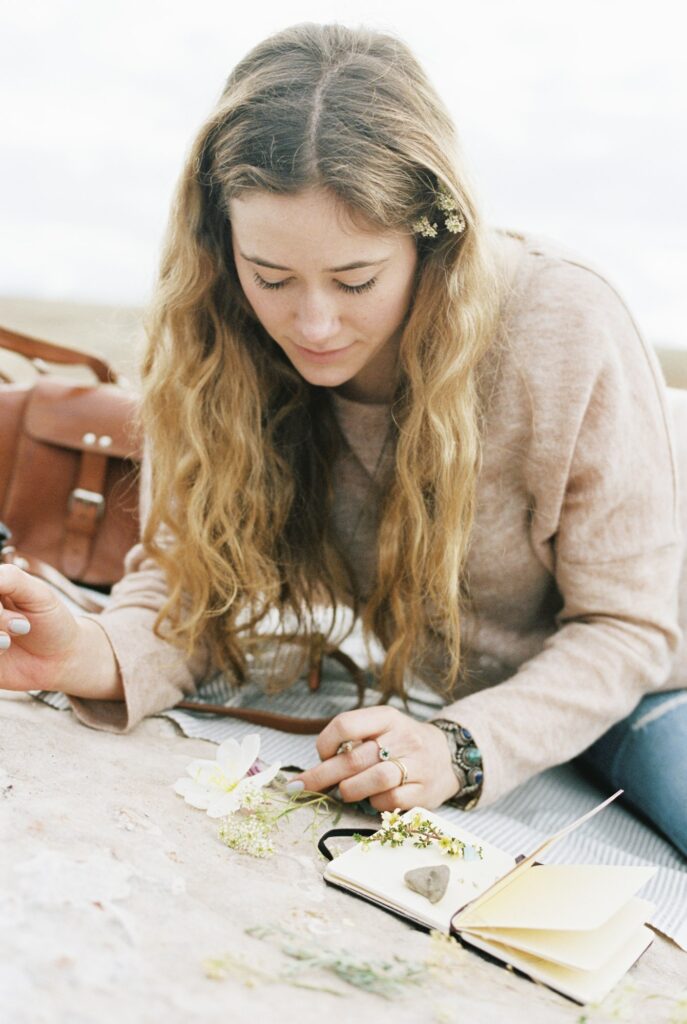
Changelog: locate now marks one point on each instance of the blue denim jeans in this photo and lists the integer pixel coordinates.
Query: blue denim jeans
(646, 755)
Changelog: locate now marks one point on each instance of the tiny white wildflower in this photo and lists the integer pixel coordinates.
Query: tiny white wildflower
(445, 201)
(390, 818)
(455, 223)
(222, 786)
(424, 228)
(247, 833)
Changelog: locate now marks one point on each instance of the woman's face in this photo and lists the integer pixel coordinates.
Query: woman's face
(331, 294)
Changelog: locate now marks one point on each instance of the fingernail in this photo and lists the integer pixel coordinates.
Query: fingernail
(292, 787)
(4, 641)
(20, 627)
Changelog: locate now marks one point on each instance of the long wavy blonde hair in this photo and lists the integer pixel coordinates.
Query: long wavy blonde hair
(240, 514)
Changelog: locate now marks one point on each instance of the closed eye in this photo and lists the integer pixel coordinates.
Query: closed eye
(356, 289)
(350, 289)
(270, 285)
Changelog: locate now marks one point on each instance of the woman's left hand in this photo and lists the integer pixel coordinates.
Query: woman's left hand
(360, 772)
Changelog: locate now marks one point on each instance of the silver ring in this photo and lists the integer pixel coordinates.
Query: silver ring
(404, 771)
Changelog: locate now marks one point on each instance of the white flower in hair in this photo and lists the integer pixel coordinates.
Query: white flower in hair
(445, 201)
(424, 228)
(454, 219)
(455, 223)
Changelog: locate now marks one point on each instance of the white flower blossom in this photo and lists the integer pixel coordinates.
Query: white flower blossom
(222, 786)
(423, 227)
(390, 818)
(455, 223)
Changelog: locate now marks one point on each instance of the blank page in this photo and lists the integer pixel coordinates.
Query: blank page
(558, 897)
(584, 950)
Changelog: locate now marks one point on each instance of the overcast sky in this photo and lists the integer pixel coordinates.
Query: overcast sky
(573, 116)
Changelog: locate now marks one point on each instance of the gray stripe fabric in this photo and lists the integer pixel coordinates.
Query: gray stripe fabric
(516, 823)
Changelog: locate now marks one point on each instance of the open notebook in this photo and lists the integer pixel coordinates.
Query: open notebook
(576, 928)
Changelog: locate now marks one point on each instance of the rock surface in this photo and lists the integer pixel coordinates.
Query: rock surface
(114, 893)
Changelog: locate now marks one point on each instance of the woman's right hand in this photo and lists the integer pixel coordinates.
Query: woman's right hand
(44, 647)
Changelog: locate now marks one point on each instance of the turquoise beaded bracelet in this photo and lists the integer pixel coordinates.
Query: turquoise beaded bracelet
(466, 761)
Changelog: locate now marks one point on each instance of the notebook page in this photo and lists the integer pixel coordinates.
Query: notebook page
(583, 950)
(377, 871)
(524, 864)
(570, 897)
(583, 986)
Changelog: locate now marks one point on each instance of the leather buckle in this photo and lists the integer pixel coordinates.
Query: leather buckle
(91, 498)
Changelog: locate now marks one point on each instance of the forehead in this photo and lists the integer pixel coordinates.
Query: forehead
(311, 226)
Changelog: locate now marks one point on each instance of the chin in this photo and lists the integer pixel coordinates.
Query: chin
(324, 378)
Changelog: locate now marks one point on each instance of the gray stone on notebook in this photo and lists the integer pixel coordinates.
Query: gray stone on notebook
(430, 882)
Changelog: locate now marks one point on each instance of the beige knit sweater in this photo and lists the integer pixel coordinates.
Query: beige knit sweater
(575, 555)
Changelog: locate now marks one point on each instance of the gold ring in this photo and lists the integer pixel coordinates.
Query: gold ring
(404, 771)
(346, 747)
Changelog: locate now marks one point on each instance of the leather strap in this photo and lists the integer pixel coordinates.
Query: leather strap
(86, 507)
(272, 719)
(338, 833)
(291, 723)
(35, 349)
(9, 556)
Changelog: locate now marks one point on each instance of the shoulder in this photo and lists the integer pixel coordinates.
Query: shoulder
(564, 323)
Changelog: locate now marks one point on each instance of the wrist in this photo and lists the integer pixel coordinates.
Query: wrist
(90, 670)
(466, 761)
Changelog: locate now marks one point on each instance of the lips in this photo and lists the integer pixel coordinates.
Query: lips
(325, 355)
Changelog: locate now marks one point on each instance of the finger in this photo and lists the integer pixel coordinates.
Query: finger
(360, 724)
(21, 591)
(381, 778)
(402, 798)
(5, 642)
(341, 766)
(14, 623)
(6, 602)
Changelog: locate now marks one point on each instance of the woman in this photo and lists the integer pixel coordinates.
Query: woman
(357, 394)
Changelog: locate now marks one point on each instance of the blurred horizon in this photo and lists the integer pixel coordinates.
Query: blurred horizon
(572, 119)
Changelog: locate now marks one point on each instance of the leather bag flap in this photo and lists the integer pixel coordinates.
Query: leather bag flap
(100, 419)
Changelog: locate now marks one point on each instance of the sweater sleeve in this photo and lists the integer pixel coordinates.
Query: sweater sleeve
(155, 674)
(600, 476)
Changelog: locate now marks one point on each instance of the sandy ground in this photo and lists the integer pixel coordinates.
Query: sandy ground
(113, 892)
(114, 332)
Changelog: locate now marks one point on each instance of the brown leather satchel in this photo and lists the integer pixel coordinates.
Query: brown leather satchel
(69, 459)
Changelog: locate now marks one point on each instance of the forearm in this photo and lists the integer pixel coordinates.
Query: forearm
(589, 676)
(154, 673)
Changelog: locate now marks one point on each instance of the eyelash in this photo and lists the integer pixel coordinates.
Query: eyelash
(348, 288)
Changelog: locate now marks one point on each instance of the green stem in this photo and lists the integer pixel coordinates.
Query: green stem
(296, 807)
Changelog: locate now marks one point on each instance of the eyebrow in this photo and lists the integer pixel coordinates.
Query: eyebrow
(356, 265)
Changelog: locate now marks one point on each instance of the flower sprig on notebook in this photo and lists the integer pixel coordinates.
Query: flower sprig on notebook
(421, 832)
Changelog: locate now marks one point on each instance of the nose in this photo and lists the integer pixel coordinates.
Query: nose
(317, 322)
